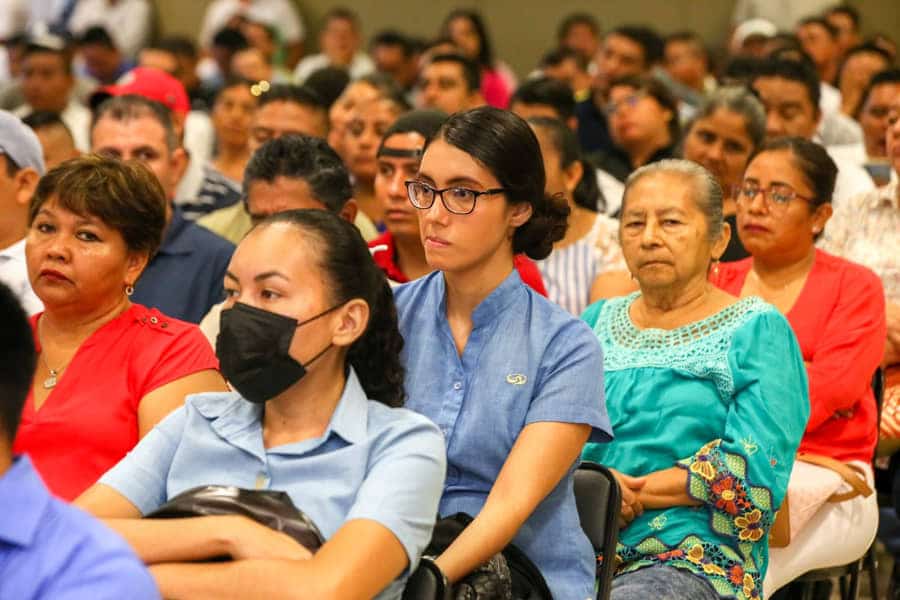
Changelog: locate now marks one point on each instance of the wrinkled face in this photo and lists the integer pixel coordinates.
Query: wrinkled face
(685, 63)
(720, 143)
(363, 134)
(398, 163)
(875, 115)
(444, 87)
(143, 139)
(282, 117)
(46, 83)
(770, 229)
(582, 39)
(464, 243)
(664, 234)
(818, 43)
(636, 117)
(339, 40)
(266, 198)
(465, 36)
(789, 109)
(619, 57)
(78, 260)
(232, 115)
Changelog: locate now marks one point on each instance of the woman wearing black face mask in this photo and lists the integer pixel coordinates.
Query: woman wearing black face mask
(310, 340)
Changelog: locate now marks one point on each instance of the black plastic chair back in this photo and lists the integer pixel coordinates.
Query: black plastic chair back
(599, 501)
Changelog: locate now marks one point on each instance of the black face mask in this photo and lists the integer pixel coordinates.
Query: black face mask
(253, 349)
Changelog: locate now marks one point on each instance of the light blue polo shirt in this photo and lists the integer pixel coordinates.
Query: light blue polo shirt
(526, 361)
(373, 462)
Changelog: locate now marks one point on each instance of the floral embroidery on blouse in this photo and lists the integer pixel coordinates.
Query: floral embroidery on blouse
(719, 480)
(733, 574)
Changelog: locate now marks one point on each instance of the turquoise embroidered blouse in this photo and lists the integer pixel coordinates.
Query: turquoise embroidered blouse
(724, 398)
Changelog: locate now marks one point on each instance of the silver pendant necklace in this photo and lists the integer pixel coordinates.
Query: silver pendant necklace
(51, 381)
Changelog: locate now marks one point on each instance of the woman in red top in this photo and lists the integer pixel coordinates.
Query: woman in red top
(399, 251)
(836, 309)
(108, 370)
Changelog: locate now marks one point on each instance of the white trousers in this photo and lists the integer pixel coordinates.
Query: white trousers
(839, 533)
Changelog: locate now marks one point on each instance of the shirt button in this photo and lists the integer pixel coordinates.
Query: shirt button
(154, 320)
(457, 386)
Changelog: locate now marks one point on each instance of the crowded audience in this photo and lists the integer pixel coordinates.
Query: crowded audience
(387, 236)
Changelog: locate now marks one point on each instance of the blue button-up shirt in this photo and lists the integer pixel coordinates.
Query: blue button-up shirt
(51, 550)
(185, 278)
(372, 462)
(526, 361)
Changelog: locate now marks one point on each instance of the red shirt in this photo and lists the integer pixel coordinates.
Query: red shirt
(90, 419)
(839, 321)
(387, 261)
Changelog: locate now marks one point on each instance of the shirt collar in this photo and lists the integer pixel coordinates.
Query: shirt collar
(490, 307)
(175, 240)
(16, 251)
(239, 421)
(23, 501)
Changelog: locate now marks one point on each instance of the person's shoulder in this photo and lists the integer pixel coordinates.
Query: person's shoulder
(415, 289)
(207, 240)
(160, 324)
(847, 272)
(398, 420)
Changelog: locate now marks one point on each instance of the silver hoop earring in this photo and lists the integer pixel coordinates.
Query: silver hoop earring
(129, 290)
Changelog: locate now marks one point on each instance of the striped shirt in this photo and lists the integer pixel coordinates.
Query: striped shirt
(569, 272)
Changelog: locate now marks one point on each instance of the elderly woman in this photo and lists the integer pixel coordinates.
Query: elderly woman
(706, 394)
(108, 370)
(724, 134)
(837, 312)
(643, 123)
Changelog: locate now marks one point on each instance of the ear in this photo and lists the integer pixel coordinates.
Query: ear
(519, 214)
(179, 163)
(721, 244)
(25, 182)
(134, 266)
(572, 123)
(350, 321)
(350, 210)
(820, 217)
(573, 174)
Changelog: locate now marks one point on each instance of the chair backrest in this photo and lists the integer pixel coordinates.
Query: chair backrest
(599, 502)
(425, 583)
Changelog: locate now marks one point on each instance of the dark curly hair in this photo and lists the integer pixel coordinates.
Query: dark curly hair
(351, 273)
(505, 144)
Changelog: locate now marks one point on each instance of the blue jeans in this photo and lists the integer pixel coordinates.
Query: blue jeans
(661, 583)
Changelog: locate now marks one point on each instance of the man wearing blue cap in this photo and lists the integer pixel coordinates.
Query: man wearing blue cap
(21, 166)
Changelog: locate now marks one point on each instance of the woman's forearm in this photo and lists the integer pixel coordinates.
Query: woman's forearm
(665, 489)
(271, 579)
(176, 540)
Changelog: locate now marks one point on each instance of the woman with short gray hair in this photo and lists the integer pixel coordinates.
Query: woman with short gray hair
(725, 133)
(702, 452)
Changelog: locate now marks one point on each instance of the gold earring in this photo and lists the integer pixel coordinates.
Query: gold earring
(715, 269)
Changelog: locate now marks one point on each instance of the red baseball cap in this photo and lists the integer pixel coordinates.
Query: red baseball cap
(150, 83)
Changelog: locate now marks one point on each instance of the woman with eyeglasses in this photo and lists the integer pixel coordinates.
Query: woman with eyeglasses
(837, 311)
(511, 379)
(643, 124)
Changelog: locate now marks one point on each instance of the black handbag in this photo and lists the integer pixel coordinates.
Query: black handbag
(508, 575)
(271, 508)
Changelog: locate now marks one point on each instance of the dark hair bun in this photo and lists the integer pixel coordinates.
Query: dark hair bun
(547, 225)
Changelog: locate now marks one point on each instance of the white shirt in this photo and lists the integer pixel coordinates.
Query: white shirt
(360, 66)
(127, 21)
(612, 190)
(14, 273)
(199, 141)
(784, 14)
(13, 17)
(279, 14)
(852, 180)
(77, 118)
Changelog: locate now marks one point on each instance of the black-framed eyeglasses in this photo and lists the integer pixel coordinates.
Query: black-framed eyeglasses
(457, 200)
(777, 194)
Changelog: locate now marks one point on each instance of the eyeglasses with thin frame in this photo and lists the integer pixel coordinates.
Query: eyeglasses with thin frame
(776, 195)
(457, 200)
(631, 100)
